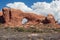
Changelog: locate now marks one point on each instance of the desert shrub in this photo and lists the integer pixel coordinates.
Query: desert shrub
(32, 29)
(9, 29)
(46, 28)
(56, 29)
(21, 29)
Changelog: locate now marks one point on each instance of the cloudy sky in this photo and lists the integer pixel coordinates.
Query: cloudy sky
(43, 7)
(27, 2)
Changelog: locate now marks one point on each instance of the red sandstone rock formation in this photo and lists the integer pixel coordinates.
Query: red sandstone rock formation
(50, 17)
(14, 17)
(1, 13)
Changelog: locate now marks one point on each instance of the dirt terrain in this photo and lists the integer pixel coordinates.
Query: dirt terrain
(10, 34)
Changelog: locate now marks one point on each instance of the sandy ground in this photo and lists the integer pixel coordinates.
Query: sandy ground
(14, 35)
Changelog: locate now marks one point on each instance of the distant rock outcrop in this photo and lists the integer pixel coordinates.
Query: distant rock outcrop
(13, 17)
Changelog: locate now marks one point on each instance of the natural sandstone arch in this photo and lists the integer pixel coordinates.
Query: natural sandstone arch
(14, 17)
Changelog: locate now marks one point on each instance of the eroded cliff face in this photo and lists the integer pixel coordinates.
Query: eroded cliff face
(2, 20)
(13, 17)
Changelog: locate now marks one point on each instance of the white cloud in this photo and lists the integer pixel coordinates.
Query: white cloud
(19, 5)
(46, 8)
(39, 8)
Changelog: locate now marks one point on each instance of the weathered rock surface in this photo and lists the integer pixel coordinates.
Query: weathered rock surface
(13, 17)
(1, 13)
(51, 18)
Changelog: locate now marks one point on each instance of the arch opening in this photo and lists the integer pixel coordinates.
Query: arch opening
(24, 21)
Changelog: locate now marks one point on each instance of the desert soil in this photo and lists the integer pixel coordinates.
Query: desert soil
(6, 34)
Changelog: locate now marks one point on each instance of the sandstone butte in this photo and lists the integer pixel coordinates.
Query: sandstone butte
(13, 17)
